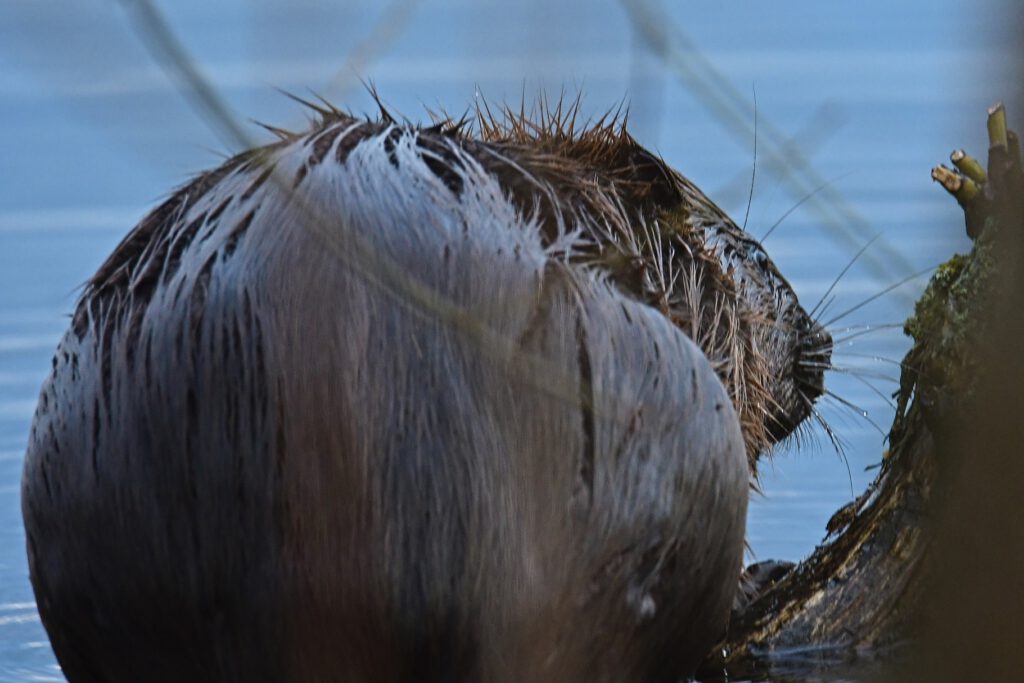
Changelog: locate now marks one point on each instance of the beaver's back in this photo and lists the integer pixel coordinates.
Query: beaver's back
(352, 421)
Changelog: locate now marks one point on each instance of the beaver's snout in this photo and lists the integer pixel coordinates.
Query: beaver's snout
(813, 357)
(811, 350)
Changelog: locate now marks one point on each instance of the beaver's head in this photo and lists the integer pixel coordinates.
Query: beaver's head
(794, 349)
(618, 208)
(771, 354)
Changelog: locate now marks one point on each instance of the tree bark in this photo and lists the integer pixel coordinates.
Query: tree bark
(888, 572)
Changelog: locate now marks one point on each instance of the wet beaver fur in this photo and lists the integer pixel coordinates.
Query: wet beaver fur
(387, 403)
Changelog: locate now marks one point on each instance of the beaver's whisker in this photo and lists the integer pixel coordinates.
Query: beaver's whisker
(819, 360)
(856, 409)
(867, 374)
(885, 291)
(828, 303)
(873, 357)
(916, 369)
(800, 203)
(843, 272)
(823, 352)
(850, 328)
(851, 340)
(837, 442)
(753, 171)
(805, 435)
(873, 388)
(850, 337)
(832, 436)
(860, 372)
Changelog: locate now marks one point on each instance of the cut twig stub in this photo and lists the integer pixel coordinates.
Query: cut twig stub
(968, 165)
(961, 187)
(997, 126)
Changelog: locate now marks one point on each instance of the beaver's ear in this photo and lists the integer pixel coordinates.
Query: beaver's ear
(1000, 190)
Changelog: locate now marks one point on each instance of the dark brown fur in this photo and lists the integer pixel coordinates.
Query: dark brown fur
(339, 411)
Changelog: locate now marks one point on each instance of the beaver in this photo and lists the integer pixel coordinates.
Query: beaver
(383, 402)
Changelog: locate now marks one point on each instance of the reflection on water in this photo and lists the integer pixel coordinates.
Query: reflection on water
(93, 134)
(810, 665)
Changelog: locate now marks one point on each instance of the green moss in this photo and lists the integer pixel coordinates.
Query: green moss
(948, 321)
(930, 311)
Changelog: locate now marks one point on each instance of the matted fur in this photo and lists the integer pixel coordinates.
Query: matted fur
(659, 238)
(604, 202)
(387, 403)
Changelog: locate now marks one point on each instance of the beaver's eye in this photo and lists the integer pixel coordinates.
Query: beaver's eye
(761, 259)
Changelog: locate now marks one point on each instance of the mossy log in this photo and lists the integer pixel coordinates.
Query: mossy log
(869, 589)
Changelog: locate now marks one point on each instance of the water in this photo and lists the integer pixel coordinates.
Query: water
(93, 133)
